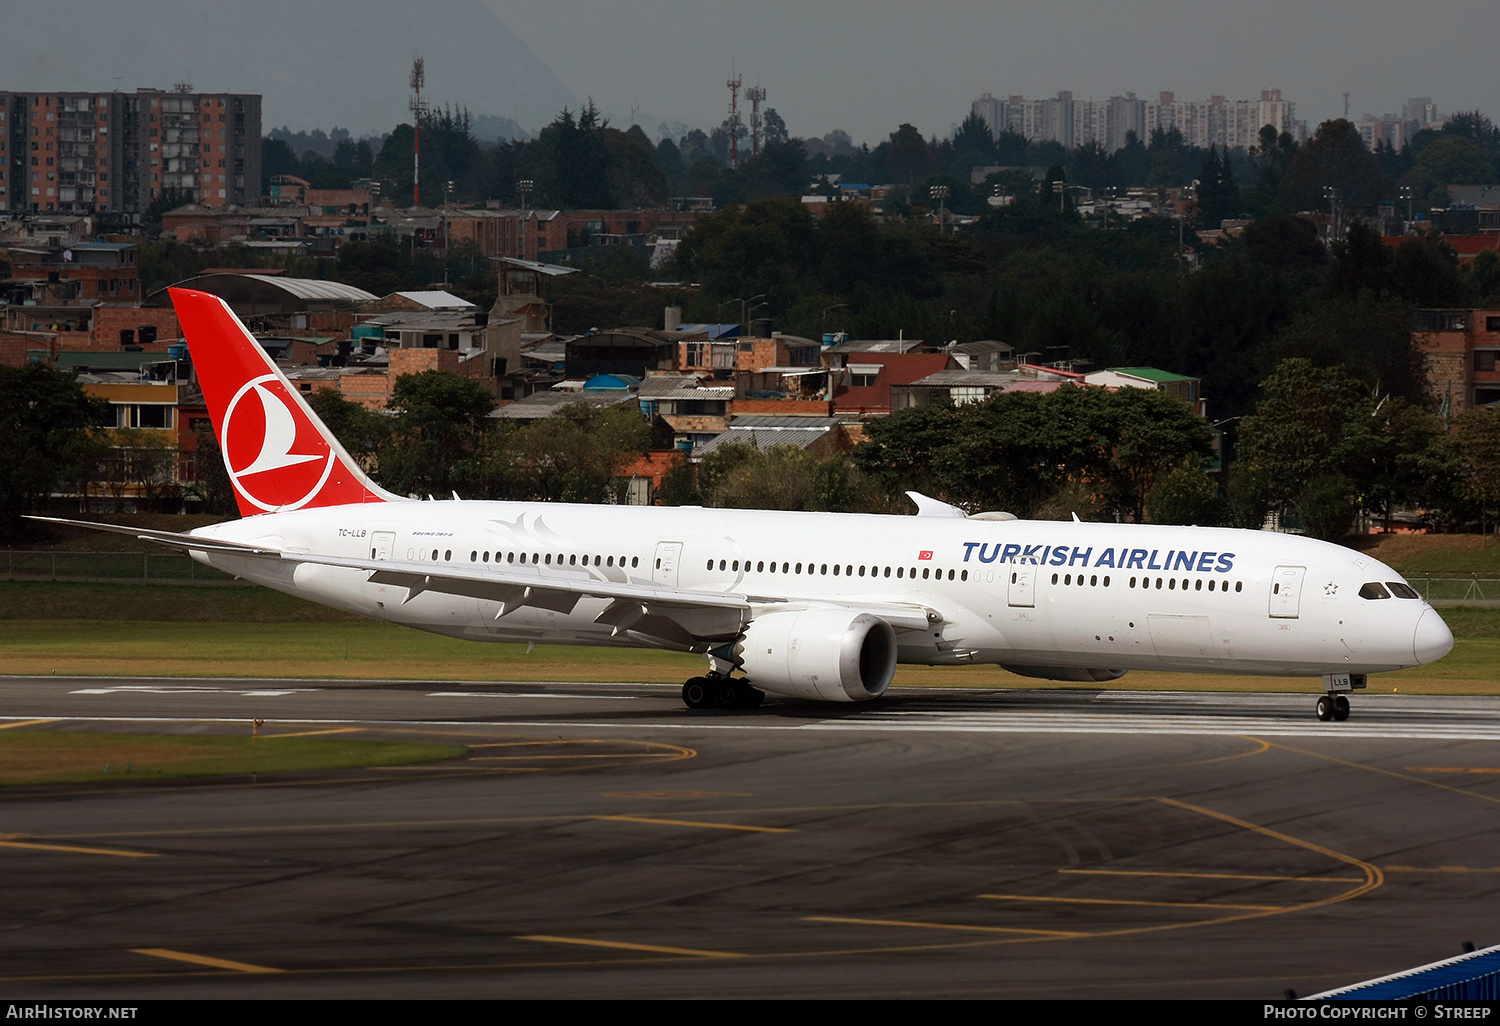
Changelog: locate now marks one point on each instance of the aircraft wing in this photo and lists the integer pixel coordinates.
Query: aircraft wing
(673, 615)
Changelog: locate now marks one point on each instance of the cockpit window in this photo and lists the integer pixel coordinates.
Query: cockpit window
(1374, 590)
(1400, 590)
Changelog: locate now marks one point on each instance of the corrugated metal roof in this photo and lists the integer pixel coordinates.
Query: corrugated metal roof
(710, 394)
(544, 404)
(983, 379)
(767, 422)
(437, 299)
(1150, 374)
(653, 384)
(109, 360)
(764, 438)
(714, 331)
(532, 265)
(876, 345)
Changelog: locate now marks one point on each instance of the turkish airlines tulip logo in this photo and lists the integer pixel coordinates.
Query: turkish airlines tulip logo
(277, 460)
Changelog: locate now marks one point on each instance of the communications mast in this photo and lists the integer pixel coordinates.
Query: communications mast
(755, 94)
(734, 123)
(418, 110)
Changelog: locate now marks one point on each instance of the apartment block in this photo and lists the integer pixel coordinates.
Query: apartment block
(1203, 123)
(111, 154)
(1460, 352)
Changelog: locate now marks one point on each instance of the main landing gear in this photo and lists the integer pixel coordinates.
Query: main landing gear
(721, 693)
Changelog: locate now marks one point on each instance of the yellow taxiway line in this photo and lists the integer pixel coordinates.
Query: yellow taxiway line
(1123, 901)
(621, 945)
(695, 823)
(6, 841)
(213, 963)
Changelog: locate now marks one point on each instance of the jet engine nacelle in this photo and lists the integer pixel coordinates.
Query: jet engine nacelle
(1070, 673)
(826, 654)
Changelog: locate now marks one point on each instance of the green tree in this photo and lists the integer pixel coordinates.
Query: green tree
(1335, 158)
(435, 443)
(1185, 494)
(1218, 192)
(362, 431)
(1311, 426)
(1149, 432)
(575, 455)
(47, 421)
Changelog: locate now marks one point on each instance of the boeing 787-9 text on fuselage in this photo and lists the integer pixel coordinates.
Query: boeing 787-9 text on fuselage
(818, 606)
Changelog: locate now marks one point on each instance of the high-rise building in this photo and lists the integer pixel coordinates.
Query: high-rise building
(1204, 123)
(111, 154)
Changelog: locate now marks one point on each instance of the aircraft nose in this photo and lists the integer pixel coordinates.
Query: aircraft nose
(1432, 639)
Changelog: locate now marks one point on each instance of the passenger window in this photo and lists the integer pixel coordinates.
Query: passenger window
(1374, 590)
(760, 566)
(1106, 580)
(1093, 580)
(964, 576)
(835, 569)
(887, 571)
(736, 566)
(1054, 578)
(635, 561)
(1400, 590)
(950, 575)
(1239, 585)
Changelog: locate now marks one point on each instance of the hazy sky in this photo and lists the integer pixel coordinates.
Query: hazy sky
(864, 67)
(868, 66)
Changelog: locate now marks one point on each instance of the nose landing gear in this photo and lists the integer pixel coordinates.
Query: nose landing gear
(1335, 706)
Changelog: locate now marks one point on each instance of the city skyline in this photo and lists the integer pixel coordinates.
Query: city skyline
(863, 68)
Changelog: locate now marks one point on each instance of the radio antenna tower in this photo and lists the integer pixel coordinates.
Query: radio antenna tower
(734, 123)
(755, 94)
(418, 111)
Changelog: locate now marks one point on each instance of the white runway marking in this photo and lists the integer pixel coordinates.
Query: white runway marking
(158, 690)
(525, 694)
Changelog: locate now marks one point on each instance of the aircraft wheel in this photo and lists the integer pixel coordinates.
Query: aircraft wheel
(727, 694)
(1340, 708)
(696, 693)
(1325, 708)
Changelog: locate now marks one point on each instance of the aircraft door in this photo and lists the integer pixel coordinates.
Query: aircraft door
(381, 544)
(664, 571)
(1022, 588)
(1286, 591)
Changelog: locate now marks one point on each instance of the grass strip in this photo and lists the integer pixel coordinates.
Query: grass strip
(56, 757)
(361, 649)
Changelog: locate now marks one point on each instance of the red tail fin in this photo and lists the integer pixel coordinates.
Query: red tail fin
(279, 455)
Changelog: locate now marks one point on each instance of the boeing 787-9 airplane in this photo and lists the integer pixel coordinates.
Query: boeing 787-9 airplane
(817, 606)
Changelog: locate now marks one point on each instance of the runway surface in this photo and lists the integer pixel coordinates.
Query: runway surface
(604, 841)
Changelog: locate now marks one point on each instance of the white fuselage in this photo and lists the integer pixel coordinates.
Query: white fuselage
(1021, 593)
